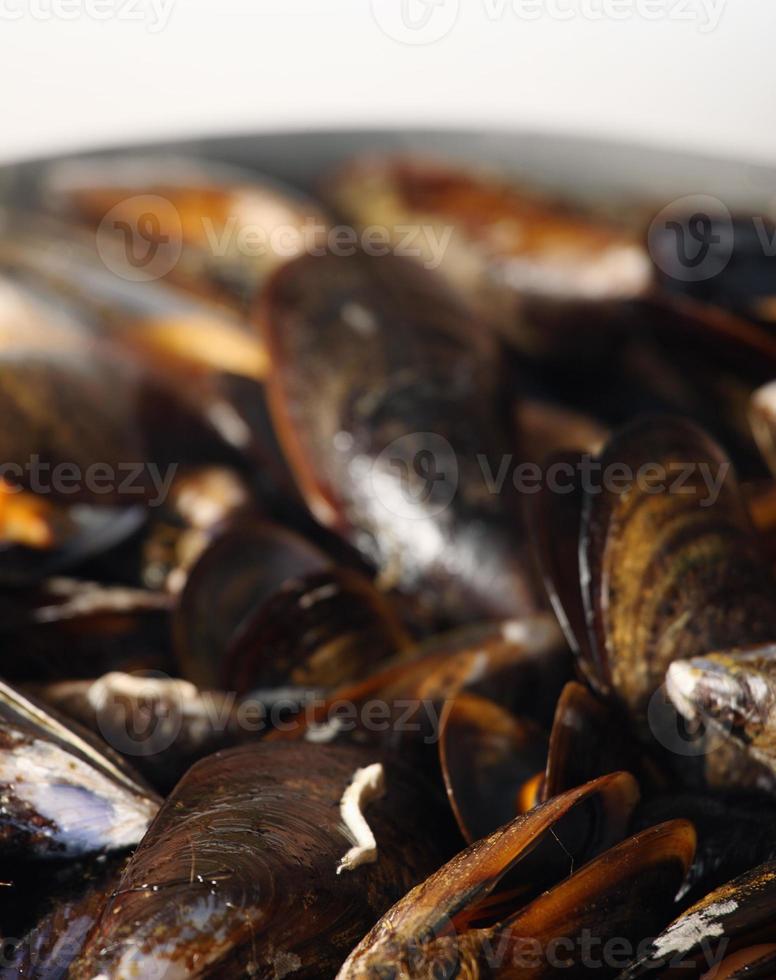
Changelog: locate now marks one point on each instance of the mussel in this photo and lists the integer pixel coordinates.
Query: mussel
(82, 419)
(397, 457)
(735, 916)
(485, 913)
(507, 248)
(735, 692)
(214, 229)
(161, 725)
(239, 872)
(63, 794)
(669, 547)
(487, 756)
(317, 627)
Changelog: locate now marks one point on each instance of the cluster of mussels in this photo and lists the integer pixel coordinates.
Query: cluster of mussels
(300, 680)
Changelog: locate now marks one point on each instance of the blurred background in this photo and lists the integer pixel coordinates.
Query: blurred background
(687, 74)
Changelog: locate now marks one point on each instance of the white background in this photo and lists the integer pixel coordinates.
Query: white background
(241, 65)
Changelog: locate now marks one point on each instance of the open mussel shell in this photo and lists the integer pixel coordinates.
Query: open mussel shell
(521, 665)
(214, 229)
(64, 794)
(588, 739)
(667, 545)
(487, 755)
(385, 399)
(495, 242)
(733, 692)
(315, 633)
(249, 840)
(236, 573)
(444, 923)
(620, 897)
(737, 915)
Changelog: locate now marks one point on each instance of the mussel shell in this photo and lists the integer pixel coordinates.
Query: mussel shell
(238, 873)
(64, 794)
(736, 915)
(241, 568)
(735, 833)
(486, 754)
(744, 282)
(314, 633)
(734, 693)
(653, 561)
(753, 963)
(72, 907)
(623, 895)
(207, 213)
(40, 537)
(161, 725)
(84, 420)
(385, 397)
(502, 243)
(554, 526)
(439, 924)
(521, 665)
(588, 739)
(160, 324)
(208, 358)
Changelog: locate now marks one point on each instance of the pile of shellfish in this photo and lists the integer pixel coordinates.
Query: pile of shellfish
(388, 579)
